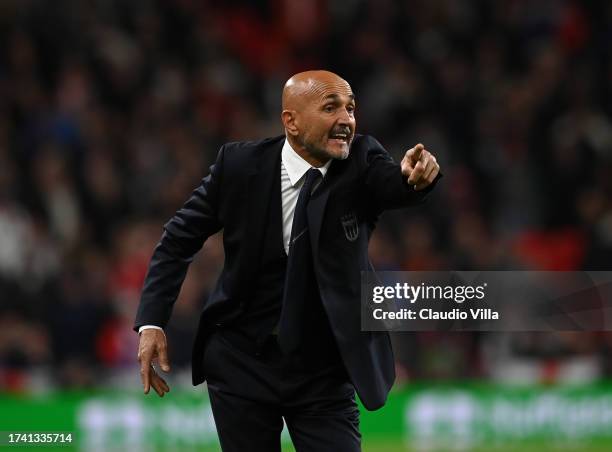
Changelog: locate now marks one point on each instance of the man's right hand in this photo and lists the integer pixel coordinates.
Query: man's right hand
(153, 346)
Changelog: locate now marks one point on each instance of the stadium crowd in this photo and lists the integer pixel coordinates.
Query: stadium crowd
(112, 111)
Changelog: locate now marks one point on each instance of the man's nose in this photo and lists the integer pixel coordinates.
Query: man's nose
(345, 118)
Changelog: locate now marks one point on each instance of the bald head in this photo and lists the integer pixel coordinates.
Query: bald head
(319, 116)
(307, 86)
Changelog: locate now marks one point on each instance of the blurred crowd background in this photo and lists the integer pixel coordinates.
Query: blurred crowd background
(112, 111)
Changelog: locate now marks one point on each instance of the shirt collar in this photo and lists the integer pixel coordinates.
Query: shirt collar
(296, 166)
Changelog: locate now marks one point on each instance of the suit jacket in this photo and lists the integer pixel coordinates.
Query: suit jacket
(341, 214)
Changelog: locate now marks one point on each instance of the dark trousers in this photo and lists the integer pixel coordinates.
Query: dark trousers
(253, 388)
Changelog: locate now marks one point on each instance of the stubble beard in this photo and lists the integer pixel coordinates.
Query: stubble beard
(323, 154)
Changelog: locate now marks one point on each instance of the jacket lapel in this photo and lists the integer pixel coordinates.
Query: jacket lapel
(263, 185)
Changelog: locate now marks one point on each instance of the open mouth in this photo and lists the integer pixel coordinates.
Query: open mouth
(340, 137)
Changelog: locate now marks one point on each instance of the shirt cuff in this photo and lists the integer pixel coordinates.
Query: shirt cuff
(148, 327)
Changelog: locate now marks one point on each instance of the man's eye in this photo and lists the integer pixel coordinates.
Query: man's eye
(329, 108)
(350, 109)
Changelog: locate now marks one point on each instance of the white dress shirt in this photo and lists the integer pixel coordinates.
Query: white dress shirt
(293, 169)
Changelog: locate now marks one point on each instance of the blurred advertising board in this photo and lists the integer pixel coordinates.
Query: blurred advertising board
(457, 417)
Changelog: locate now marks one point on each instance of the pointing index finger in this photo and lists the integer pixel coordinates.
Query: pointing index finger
(418, 151)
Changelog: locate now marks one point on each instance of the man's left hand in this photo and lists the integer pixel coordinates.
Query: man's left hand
(420, 167)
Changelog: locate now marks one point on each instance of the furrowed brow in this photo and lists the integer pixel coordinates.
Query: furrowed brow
(336, 97)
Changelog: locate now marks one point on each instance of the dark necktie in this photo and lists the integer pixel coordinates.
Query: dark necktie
(300, 273)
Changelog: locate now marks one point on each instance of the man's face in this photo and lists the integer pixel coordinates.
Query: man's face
(327, 121)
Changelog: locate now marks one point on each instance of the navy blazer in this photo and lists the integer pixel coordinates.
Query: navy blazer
(342, 213)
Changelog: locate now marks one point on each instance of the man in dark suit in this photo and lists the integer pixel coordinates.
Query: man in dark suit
(279, 337)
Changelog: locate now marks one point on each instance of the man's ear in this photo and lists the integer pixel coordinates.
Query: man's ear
(289, 118)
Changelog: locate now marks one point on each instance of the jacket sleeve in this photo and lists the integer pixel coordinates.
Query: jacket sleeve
(182, 238)
(386, 186)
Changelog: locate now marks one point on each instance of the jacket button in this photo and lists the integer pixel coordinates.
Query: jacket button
(219, 325)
